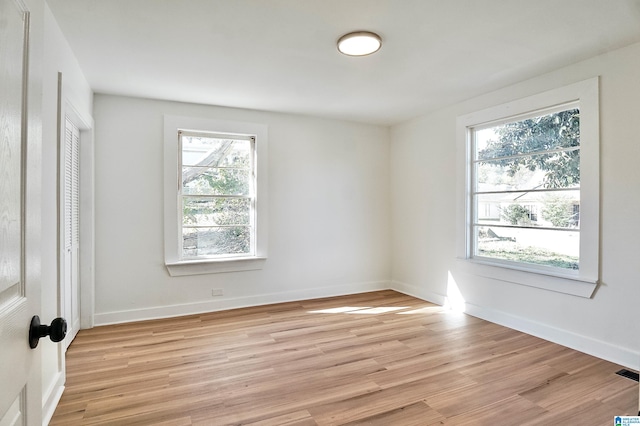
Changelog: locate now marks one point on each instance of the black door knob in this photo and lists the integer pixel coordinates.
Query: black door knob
(56, 331)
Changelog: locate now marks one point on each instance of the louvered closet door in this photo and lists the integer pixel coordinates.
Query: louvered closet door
(71, 218)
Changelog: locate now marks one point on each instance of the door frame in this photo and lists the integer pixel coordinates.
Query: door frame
(52, 391)
(86, 256)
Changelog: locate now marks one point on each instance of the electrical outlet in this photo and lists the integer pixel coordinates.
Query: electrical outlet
(217, 292)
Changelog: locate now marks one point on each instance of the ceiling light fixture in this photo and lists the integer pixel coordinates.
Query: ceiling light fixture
(359, 43)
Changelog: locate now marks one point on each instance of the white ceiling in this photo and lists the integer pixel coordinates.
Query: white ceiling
(280, 55)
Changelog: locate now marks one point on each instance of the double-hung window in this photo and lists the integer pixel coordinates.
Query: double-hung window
(215, 195)
(530, 191)
(518, 168)
(217, 187)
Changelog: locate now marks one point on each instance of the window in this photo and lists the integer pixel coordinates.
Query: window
(215, 195)
(217, 192)
(531, 190)
(520, 167)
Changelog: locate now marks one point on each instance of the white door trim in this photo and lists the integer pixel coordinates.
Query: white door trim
(85, 124)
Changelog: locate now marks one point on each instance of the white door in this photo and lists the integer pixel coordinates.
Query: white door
(20, 382)
(71, 226)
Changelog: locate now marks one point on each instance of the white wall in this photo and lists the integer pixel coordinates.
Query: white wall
(328, 212)
(423, 188)
(57, 57)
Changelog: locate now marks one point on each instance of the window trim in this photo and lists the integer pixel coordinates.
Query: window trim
(177, 266)
(584, 281)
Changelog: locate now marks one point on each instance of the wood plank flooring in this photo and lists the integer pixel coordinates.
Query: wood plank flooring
(379, 358)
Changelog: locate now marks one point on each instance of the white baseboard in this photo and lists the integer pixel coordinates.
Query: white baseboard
(51, 398)
(418, 292)
(234, 303)
(603, 350)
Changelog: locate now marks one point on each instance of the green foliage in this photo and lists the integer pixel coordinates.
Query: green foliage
(553, 131)
(211, 241)
(215, 211)
(515, 214)
(558, 210)
(215, 181)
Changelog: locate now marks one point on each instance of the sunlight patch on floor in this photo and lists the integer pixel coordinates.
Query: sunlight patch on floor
(380, 310)
(341, 310)
(425, 310)
(359, 310)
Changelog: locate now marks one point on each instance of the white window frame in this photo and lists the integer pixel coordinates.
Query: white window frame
(583, 281)
(176, 265)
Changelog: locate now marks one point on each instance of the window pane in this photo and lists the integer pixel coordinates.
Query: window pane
(537, 134)
(548, 170)
(201, 150)
(215, 241)
(558, 249)
(216, 211)
(559, 209)
(206, 181)
(215, 152)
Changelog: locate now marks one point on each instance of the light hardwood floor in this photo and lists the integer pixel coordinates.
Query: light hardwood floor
(379, 358)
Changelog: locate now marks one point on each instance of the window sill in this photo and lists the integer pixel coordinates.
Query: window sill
(215, 266)
(573, 285)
